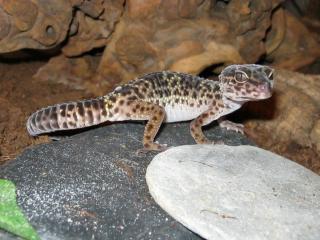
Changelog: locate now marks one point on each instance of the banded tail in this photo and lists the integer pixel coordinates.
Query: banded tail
(71, 115)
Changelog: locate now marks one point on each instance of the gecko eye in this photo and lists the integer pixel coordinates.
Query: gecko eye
(240, 76)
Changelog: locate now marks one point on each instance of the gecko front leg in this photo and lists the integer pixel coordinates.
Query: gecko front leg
(205, 118)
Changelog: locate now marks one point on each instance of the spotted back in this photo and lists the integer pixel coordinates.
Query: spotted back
(172, 88)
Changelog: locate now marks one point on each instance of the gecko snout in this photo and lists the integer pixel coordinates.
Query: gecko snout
(265, 90)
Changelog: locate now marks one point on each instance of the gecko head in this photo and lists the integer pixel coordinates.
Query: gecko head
(247, 82)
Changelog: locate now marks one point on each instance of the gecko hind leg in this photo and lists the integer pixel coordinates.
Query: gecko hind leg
(155, 115)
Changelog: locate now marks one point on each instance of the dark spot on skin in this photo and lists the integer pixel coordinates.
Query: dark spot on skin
(216, 88)
(185, 93)
(80, 109)
(146, 145)
(131, 98)
(142, 109)
(128, 114)
(218, 96)
(148, 137)
(68, 115)
(200, 102)
(137, 106)
(65, 125)
(154, 118)
(87, 104)
(134, 110)
(110, 115)
(191, 104)
(152, 108)
(216, 108)
(209, 96)
(129, 103)
(237, 88)
(176, 100)
(194, 95)
(137, 92)
(200, 121)
(46, 112)
(147, 109)
(149, 127)
(121, 102)
(116, 110)
(174, 83)
(90, 116)
(95, 105)
(70, 107)
(214, 102)
(220, 105)
(63, 110)
(196, 135)
(109, 106)
(146, 85)
(205, 115)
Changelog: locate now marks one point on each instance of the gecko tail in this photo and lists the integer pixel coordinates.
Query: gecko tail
(65, 116)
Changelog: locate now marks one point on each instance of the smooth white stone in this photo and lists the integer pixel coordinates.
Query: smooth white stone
(244, 192)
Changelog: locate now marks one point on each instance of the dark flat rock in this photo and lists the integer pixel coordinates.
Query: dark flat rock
(92, 185)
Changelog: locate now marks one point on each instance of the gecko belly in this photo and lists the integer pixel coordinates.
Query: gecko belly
(181, 112)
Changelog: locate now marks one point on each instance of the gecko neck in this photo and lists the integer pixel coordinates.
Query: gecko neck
(232, 104)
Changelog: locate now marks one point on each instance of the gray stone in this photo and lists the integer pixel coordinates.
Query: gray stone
(224, 192)
(92, 185)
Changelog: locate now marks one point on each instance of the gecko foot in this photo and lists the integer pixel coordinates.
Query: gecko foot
(220, 142)
(206, 141)
(232, 126)
(152, 147)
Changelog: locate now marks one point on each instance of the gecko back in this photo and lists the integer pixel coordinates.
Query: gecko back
(70, 115)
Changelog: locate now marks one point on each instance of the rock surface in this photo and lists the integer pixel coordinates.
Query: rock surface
(92, 185)
(243, 192)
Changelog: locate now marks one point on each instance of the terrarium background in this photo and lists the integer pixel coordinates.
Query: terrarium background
(79, 49)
